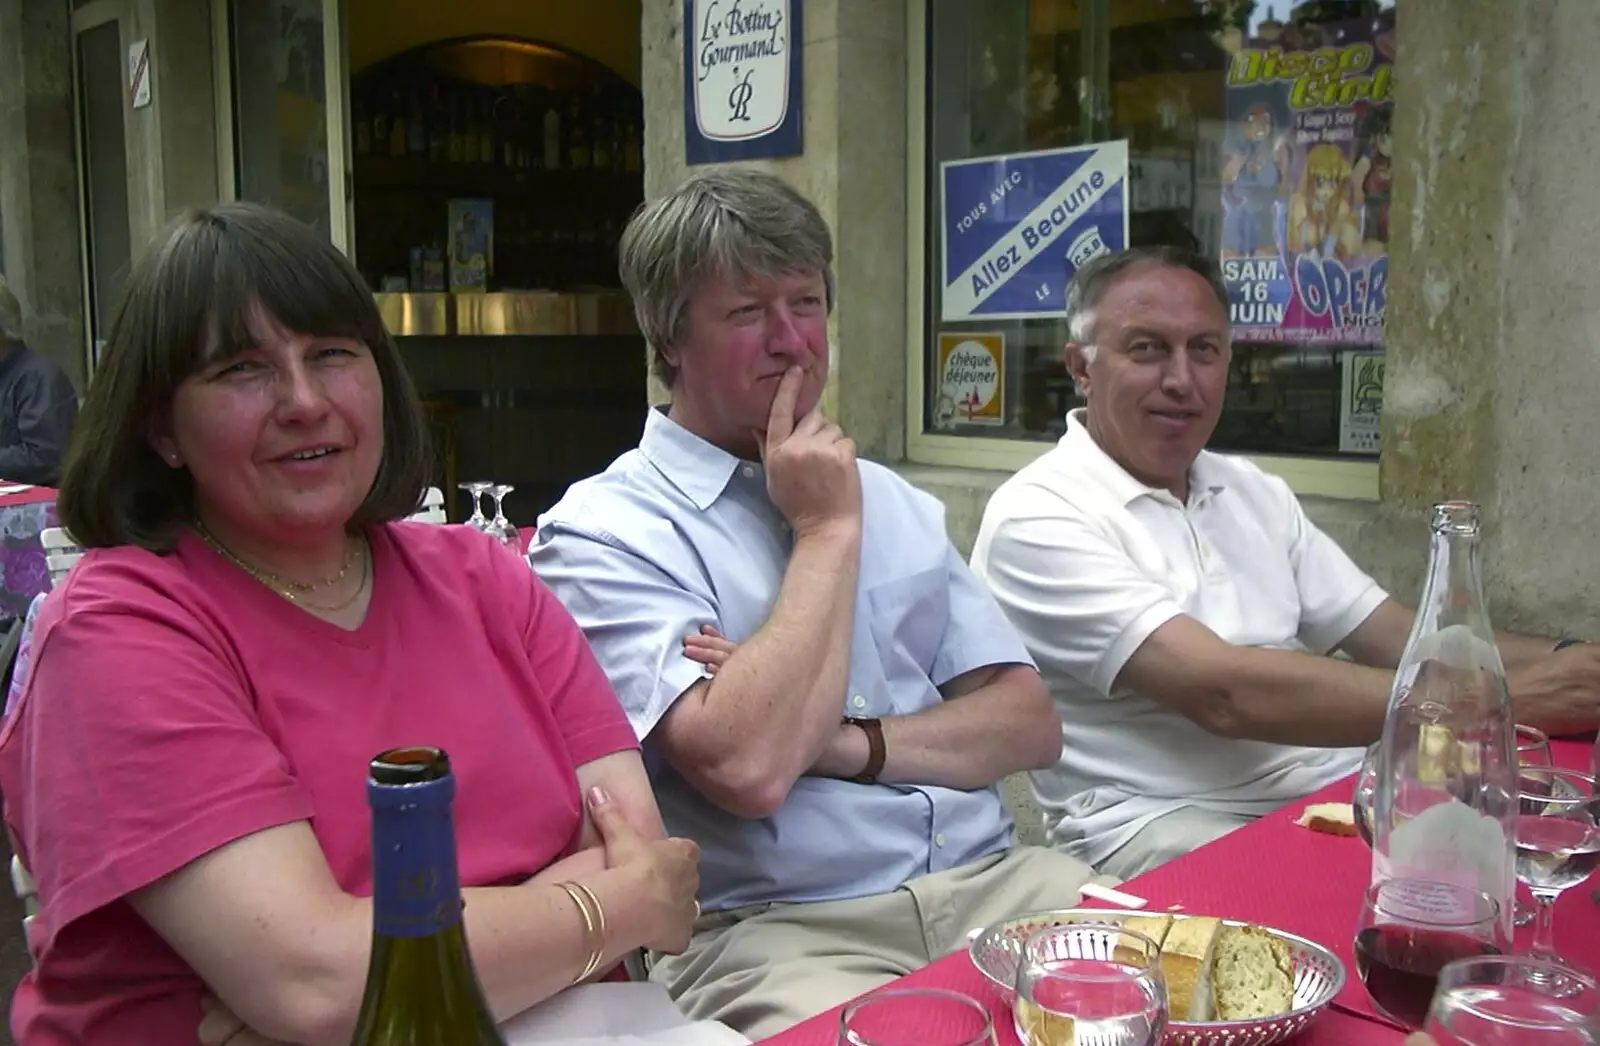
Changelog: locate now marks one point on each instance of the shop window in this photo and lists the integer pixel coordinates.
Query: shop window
(1255, 133)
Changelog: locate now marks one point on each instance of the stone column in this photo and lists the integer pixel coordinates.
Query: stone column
(1493, 332)
(38, 179)
(853, 168)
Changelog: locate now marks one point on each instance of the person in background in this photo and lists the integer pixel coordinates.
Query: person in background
(839, 768)
(37, 404)
(1180, 604)
(183, 771)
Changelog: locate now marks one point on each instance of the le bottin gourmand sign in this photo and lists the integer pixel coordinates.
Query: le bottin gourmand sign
(741, 79)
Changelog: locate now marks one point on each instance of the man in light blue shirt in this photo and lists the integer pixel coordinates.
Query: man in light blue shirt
(839, 768)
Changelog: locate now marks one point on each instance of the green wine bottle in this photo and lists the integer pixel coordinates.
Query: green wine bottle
(421, 988)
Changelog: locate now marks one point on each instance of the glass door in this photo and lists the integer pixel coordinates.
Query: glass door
(283, 115)
(100, 78)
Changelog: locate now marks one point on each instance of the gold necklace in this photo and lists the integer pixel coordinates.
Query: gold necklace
(294, 591)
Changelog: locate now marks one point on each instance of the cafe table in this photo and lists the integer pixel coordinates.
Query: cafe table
(25, 512)
(1278, 874)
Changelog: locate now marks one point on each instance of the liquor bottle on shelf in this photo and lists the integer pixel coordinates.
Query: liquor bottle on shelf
(579, 154)
(633, 146)
(460, 131)
(485, 126)
(438, 126)
(552, 134)
(601, 141)
(416, 127)
(380, 124)
(361, 119)
(505, 125)
(421, 986)
(397, 124)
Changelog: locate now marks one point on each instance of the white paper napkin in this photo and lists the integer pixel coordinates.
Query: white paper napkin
(630, 1013)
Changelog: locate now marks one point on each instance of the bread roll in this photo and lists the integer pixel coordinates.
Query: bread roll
(1330, 818)
(1186, 966)
(1132, 952)
(1252, 975)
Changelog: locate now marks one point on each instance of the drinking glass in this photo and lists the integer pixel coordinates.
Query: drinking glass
(1558, 841)
(476, 488)
(1533, 749)
(915, 1017)
(1409, 930)
(1498, 1001)
(1090, 983)
(500, 527)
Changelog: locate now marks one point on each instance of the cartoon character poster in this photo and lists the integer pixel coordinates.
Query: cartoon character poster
(1305, 182)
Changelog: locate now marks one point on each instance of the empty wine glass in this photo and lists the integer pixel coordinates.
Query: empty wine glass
(915, 1017)
(1497, 1001)
(1558, 841)
(500, 527)
(1409, 929)
(476, 489)
(1090, 982)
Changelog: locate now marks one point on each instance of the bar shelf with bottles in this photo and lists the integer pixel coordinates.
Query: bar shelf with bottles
(560, 165)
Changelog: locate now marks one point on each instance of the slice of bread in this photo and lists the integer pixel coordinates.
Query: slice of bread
(1186, 966)
(1041, 1027)
(1252, 975)
(1132, 952)
(1330, 818)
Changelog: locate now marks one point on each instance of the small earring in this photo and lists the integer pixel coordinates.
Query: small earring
(172, 459)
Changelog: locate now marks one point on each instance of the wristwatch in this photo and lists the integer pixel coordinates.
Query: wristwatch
(874, 731)
(1563, 644)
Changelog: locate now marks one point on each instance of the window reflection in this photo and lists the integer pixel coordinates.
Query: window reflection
(1244, 168)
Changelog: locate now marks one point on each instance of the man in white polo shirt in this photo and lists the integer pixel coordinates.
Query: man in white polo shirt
(1179, 602)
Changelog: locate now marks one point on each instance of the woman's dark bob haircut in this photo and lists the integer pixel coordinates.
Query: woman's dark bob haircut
(187, 304)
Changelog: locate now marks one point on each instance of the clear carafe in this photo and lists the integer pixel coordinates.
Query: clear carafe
(1445, 779)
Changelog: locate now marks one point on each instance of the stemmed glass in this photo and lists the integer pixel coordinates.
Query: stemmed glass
(1533, 749)
(1090, 983)
(1498, 1001)
(477, 488)
(500, 527)
(1558, 841)
(1409, 929)
(915, 1017)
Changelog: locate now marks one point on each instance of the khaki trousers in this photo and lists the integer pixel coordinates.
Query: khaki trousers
(1168, 836)
(762, 968)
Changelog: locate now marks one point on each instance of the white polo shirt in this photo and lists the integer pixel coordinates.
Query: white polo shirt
(1087, 562)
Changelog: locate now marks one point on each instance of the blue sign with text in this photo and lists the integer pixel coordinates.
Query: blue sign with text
(1017, 227)
(741, 79)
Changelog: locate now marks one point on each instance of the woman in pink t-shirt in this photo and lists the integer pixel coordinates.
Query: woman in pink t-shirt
(184, 770)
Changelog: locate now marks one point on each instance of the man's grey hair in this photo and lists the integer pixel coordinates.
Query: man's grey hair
(10, 314)
(736, 223)
(1090, 284)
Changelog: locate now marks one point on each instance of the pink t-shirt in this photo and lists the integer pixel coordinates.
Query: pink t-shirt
(176, 704)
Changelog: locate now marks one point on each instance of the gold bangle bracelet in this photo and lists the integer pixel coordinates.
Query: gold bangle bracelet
(599, 909)
(593, 927)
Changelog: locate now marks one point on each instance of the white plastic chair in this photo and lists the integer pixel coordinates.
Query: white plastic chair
(61, 551)
(432, 510)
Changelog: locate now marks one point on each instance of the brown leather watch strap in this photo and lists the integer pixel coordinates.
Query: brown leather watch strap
(875, 753)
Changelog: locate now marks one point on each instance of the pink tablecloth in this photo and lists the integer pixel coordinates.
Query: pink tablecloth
(1279, 874)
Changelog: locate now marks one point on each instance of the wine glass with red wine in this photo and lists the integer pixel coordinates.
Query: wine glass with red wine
(1409, 930)
(1496, 1001)
(1558, 841)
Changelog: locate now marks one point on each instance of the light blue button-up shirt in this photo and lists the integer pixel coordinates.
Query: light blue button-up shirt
(679, 533)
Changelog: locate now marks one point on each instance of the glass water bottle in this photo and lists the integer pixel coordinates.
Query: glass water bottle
(1445, 786)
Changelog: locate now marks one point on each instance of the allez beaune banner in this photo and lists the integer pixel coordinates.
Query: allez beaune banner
(1306, 169)
(1016, 227)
